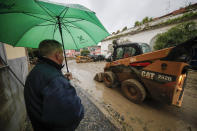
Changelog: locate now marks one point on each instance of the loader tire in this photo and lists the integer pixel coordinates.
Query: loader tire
(99, 77)
(133, 90)
(109, 78)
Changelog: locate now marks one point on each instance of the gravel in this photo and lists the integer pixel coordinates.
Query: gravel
(94, 119)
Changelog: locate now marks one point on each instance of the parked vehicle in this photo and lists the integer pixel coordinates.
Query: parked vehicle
(97, 57)
(83, 59)
(92, 57)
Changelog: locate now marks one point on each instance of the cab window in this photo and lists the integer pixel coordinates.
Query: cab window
(145, 48)
(129, 51)
(119, 53)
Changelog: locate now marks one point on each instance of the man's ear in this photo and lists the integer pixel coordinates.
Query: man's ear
(56, 54)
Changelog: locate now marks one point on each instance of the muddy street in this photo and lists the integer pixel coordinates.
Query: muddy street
(150, 115)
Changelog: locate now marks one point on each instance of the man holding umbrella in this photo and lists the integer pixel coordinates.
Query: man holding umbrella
(51, 101)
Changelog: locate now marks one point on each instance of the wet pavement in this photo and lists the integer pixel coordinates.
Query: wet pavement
(150, 115)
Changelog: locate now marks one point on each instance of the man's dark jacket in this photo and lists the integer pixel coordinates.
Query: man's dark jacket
(51, 101)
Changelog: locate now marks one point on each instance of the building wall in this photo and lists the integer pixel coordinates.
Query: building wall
(72, 53)
(95, 50)
(14, 52)
(147, 36)
(12, 106)
(105, 47)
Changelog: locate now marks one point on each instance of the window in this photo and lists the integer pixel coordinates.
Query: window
(119, 53)
(145, 48)
(129, 51)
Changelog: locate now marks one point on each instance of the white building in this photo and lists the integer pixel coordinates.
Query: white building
(146, 33)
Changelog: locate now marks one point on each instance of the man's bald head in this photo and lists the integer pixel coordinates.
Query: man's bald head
(49, 47)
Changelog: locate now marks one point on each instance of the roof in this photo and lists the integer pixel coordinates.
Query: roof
(135, 30)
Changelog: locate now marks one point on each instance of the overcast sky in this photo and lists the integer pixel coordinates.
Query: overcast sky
(116, 14)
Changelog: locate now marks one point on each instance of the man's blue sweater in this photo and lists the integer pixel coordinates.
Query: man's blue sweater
(51, 101)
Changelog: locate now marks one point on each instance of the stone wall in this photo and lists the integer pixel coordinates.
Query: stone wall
(12, 106)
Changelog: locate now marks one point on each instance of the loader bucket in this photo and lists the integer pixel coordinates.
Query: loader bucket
(185, 52)
(169, 73)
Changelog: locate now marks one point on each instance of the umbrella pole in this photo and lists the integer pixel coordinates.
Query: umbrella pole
(60, 29)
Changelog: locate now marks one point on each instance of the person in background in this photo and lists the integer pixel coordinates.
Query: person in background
(51, 101)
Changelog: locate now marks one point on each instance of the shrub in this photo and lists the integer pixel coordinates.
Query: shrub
(85, 52)
(184, 17)
(137, 23)
(125, 28)
(145, 20)
(176, 35)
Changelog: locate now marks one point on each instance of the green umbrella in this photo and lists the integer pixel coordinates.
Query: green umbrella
(25, 23)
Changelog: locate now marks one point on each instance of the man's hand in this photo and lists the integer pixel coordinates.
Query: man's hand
(68, 76)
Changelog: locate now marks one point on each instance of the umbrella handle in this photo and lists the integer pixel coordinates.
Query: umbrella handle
(66, 61)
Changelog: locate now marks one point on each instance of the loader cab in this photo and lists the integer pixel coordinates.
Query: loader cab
(122, 51)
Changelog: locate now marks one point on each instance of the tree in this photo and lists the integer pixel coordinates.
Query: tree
(145, 20)
(150, 19)
(176, 35)
(118, 31)
(137, 23)
(85, 52)
(125, 28)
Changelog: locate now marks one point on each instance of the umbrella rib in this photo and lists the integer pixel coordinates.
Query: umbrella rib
(72, 26)
(55, 30)
(39, 17)
(22, 12)
(63, 11)
(90, 16)
(70, 35)
(43, 7)
(87, 21)
(73, 21)
(83, 31)
(28, 13)
(45, 25)
(79, 19)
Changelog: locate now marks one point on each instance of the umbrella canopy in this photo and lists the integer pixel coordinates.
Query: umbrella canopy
(25, 23)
